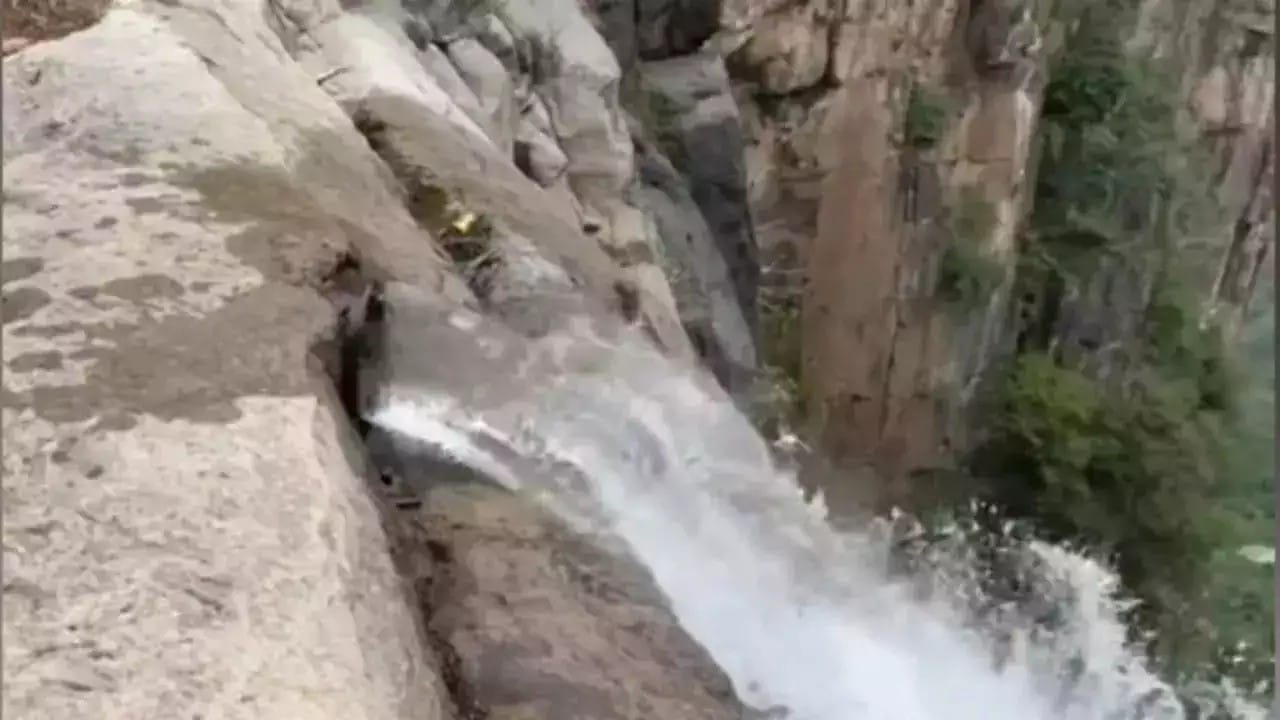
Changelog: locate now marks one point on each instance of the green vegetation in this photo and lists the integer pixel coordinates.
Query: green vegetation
(927, 117)
(777, 399)
(1147, 464)
(1133, 473)
(967, 276)
(1241, 599)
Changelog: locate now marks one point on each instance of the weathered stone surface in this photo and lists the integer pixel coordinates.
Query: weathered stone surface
(436, 63)
(187, 528)
(698, 275)
(577, 75)
(617, 22)
(497, 38)
(488, 79)
(545, 623)
(666, 28)
(788, 50)
(369, 54)
(704, 139)
(447, 163)
(537, 153)
(655, 29)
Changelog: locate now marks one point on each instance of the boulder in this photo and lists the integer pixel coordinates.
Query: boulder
(577, 75)
(187, 527)
(488, 79)
(544, 623)
(449, 166)
(537, 153)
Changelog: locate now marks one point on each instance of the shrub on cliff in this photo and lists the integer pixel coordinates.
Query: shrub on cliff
(926, 117)
(1133, 471)
(967, 275)
(1138, 464)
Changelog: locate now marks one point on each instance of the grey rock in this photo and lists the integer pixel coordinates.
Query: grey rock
(497, 38)
(547, 623)
(577, 75)
(442, 70)
(698, 275)
(705, 142)
(667, 28)
(656, 29)
(491, 83)
(787, 50)
(536, 152)
(619, 26)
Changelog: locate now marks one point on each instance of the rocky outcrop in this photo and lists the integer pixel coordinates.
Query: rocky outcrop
(877, 135)
(198, 199)
(695, 130)
(187, 528)
(864, 156)
(1227, 51)
(541, 623)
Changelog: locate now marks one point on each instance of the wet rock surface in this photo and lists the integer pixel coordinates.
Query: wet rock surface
(543, 623)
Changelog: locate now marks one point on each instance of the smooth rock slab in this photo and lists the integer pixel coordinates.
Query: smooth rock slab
(187, 528)
(545, 624)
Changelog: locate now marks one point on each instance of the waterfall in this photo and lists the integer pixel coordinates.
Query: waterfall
(622, 441)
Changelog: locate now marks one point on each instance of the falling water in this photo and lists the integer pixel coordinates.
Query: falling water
(620, 440)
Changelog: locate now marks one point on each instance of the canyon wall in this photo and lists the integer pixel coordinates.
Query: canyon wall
(888, 143)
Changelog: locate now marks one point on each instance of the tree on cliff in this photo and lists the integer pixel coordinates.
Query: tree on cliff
(1138, 454)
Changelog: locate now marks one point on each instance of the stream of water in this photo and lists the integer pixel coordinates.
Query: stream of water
(617, 439)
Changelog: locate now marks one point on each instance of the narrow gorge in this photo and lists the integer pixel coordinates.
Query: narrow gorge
(516, 359)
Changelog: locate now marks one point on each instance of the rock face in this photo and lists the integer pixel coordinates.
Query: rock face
(197, 198)
(1227, 53)
(543, 624)
(855, 188)
(186, 523)
(695, 122)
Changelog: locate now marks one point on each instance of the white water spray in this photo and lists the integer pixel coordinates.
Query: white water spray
(620, 440)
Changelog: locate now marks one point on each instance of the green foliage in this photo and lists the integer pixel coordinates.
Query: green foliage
(1146, 465)
(972, 217)
(1134, 473)
(967, 276)
(777, 402)
(1115, 171)
(927, 117)
(1241, 598)
(1149, 470)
